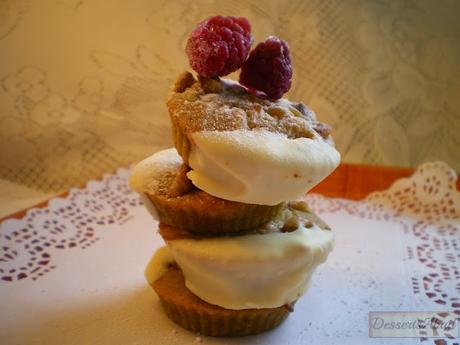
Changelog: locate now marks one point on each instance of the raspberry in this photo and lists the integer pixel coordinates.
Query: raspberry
(219, 45)
(268, 68)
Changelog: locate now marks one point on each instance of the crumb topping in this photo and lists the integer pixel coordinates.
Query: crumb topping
(212, 104)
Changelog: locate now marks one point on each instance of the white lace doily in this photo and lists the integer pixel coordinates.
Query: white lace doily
(72, 272)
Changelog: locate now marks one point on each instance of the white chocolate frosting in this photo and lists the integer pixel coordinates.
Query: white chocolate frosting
(158, 264)
(250, 271)
(258, 167)
(145, 175)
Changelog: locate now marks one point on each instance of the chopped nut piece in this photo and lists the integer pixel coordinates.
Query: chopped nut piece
(276, 112)
(291, 224)
(184, 81)
(317, 220)
(305, 111)
(323, 129)
(210, 85)
(300, 206)
(289, 306)
(308, 224)
(296, 129)
(295, 112)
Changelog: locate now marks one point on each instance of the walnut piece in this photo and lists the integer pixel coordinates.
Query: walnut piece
(210, 85)
(291, 224)
(183, 82)
(322, 129)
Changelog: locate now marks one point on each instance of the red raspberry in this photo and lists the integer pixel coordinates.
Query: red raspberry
(268, 68)
(219, 45)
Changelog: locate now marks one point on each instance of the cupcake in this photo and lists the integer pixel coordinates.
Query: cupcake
(241, 243)
(173, 200)
(239, 285)
(244, 148)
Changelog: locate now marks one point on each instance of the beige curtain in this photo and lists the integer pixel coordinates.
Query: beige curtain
(83, 82)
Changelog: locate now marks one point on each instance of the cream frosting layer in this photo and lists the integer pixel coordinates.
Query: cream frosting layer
(145, 175)
(158, 264)
(258, 167)
(249, 271)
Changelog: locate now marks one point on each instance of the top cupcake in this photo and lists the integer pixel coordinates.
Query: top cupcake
(241, 140)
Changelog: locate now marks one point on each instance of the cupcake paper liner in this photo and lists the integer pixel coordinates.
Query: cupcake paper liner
(205, 214)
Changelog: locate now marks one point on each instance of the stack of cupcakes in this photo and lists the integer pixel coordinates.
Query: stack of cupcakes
(240, 245)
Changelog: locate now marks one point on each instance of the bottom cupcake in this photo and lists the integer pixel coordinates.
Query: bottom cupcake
(196, 315)
(241, 284)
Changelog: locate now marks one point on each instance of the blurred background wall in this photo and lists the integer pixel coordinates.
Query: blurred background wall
(83, 82)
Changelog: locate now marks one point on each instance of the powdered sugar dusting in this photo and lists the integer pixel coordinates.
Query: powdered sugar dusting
(155, 173)
(225, 105)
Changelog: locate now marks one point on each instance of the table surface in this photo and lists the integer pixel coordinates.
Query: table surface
(68, 267)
